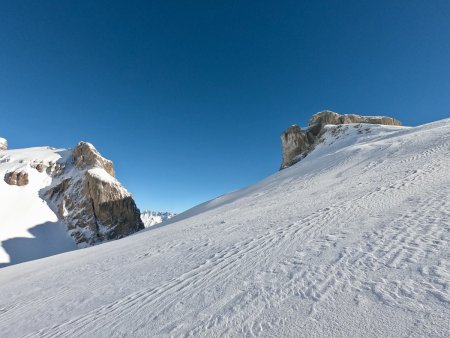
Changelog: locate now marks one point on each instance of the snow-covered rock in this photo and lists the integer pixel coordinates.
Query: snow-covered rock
(3, 144)
(352, 241)
(329, 117)
(296, 143)
(91, 202)
(56, 200)
(151, 218)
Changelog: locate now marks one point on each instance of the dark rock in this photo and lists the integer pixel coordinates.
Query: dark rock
(294, 142)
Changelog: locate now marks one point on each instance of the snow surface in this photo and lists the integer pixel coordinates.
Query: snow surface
(351, 241)
(29, 229)
(151, 218)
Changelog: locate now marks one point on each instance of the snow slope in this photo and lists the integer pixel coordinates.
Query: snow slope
(151, 218)
(29, 229)
(351, 241)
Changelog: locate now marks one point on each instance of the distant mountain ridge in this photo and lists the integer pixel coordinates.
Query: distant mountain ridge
(151, 218)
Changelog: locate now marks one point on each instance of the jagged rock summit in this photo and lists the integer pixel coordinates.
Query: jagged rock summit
(297, 142)
(92, 203)
(60, 199)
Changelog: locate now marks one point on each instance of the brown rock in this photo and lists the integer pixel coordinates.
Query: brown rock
(94, 205)
(329, 117)
(18, 177)
(85, 156)
(294, 142)
(39, 166)
(325, 117)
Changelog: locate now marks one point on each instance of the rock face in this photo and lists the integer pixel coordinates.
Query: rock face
(91, 202)
(294, 143)
(297, 143)
(329, 117)
(86, 156)
(3, 144)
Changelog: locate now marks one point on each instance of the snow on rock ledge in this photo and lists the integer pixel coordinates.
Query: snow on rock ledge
(297, 143)
(3, 144)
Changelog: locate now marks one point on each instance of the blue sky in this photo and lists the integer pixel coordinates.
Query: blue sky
(188, 98)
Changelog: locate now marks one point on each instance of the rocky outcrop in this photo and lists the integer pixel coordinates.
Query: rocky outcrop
(3, 144)
(17, 177)
(297, 143)
(86, 156)
(91, 202)
(294, 143)
(39, 166)
(329, 117)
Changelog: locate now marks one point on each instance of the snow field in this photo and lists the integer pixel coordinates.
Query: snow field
(351, 241)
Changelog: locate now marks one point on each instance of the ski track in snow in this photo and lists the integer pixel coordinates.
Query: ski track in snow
(352, 242)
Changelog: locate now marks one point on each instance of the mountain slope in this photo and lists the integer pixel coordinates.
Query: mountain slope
(351, 241)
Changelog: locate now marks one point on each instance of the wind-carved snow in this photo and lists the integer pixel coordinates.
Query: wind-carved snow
(151, 218)
(351, 241)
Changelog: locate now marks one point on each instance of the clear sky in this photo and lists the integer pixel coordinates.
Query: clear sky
(188, 98)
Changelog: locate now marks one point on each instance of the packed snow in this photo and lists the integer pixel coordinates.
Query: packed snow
(351, 241)
(151, 218)
(29, 229)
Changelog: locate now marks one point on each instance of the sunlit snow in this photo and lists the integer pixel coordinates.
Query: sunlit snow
(352, 240)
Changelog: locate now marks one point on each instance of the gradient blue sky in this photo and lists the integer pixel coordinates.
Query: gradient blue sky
(188, 98)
